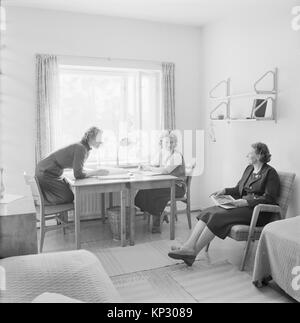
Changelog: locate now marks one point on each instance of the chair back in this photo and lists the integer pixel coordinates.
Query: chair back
(36, 192)
(286, 188)
(189, 169)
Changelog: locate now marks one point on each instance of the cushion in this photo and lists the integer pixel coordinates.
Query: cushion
(75, 274)
(54, 298)
(241, 232)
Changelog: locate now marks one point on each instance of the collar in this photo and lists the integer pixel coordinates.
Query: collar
(262, 170)
(86, 145)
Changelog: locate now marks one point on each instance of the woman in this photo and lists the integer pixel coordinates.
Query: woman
(49, 171)
(258, 185)
(154, 201)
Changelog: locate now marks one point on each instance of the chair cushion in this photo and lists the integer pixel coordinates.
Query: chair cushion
(241, 232)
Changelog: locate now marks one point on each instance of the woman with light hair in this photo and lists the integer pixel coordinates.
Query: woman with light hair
(49, 171)
(154, 201)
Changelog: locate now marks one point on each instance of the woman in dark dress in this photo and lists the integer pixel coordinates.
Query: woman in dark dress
(259, 185)
(49, 171)
(154, 201)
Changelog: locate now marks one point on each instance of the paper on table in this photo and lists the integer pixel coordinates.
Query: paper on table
(8, 198)
(150, 173)
(116, 176)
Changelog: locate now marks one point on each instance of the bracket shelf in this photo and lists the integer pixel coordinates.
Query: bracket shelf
(266, 95)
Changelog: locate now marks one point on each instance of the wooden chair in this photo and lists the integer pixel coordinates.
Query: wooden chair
(186, 199)
(252, 233)
(47, 212)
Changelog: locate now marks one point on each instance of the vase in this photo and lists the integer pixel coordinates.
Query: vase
(2, 188)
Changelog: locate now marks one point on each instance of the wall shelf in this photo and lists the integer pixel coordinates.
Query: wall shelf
(266, 95)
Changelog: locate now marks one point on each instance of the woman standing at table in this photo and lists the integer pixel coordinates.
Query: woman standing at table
(49, 171)
(154, 201)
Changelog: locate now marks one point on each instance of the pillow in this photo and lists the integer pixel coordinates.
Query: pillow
(54, 298)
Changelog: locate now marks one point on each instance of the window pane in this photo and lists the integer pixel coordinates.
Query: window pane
(121, 102)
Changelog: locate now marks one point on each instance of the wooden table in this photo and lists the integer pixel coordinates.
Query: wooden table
(140, 182)
(82, 188)
(131, 185)
(18, 233)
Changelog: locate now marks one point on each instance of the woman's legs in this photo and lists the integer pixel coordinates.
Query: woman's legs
(191, 243)
(205, 238)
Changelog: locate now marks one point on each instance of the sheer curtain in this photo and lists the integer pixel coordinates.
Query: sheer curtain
(168, 75)
(46, 103)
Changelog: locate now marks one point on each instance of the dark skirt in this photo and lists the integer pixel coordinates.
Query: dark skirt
(55, 189)
(220, 221)
(154, 201)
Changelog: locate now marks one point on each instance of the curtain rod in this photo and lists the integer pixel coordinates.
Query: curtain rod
(106, 58)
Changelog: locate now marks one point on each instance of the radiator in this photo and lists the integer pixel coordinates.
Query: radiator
(92, 206)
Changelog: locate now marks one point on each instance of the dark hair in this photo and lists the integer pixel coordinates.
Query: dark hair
(263, 151)
(90, 133)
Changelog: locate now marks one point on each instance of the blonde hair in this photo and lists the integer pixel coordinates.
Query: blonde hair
(171, 135)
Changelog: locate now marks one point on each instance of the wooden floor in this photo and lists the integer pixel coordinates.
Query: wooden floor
(99, 233)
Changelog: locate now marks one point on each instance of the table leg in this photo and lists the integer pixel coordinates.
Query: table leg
(132, 216)
(111, 201)
(103, 207)
(77, 208)
(123, 218)
(172, 211)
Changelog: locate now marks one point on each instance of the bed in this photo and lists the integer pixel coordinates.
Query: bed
(75, 274)
(278, 256)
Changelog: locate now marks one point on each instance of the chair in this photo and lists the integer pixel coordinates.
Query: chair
(186, 199)
(252, 232)
(47, 212)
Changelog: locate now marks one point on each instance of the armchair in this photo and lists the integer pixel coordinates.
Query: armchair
(252, 233)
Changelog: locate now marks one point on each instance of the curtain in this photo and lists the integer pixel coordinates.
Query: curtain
(168, 75)
(46, 103)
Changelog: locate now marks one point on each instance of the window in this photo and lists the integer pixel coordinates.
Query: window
(124, 102)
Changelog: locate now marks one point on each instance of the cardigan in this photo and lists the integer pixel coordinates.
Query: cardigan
(264, 188)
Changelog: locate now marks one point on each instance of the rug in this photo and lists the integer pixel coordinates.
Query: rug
(141, 257)
(152, 286)
(223, 282)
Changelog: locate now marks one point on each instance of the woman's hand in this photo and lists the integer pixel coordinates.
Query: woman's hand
(97, 172)
(218, 193)
(240, 203)
(145, 168)
(102, 172)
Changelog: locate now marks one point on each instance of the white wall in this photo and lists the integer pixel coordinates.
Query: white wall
(32, 31)
(245, 47)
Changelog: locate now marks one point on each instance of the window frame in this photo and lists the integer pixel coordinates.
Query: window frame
(125, 73)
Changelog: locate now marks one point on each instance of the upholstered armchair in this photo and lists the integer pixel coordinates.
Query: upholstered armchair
(252, 233)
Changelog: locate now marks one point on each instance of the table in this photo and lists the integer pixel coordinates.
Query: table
(125, 186)
(140, 182)
(82, 188)
(18, 232)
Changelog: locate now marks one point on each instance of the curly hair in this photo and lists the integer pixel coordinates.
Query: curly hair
(90, 133)
(171, 135)
(262, 150)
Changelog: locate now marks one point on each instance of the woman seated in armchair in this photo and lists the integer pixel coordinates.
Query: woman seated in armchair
(154, 201)
(259, 185)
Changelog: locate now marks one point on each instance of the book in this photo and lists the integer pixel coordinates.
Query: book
(261, 104)
(224, 201)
